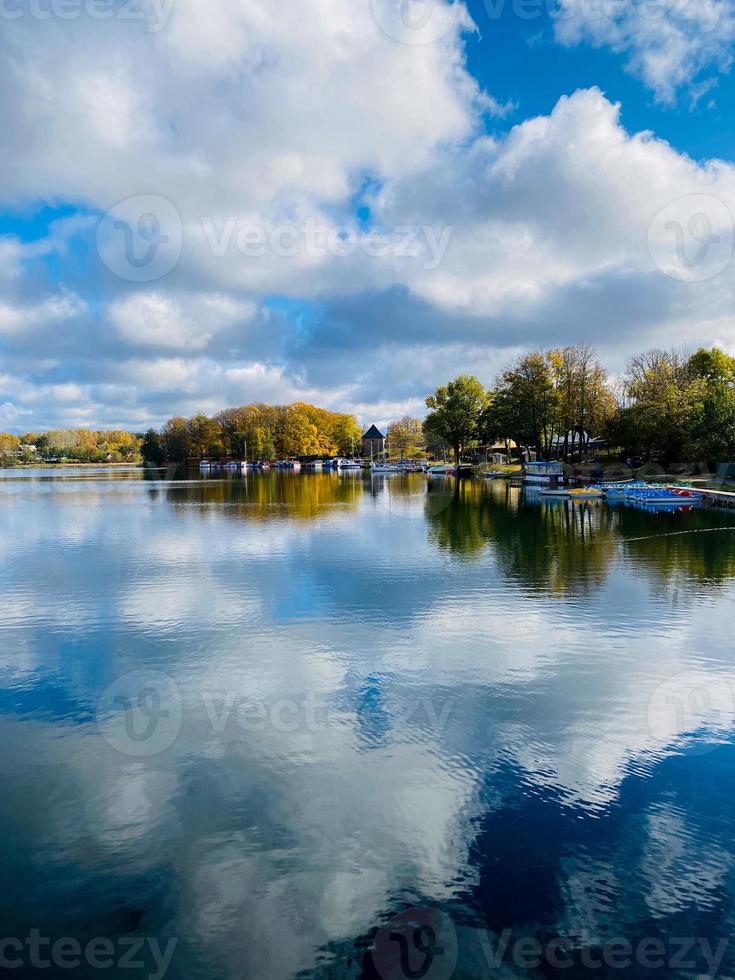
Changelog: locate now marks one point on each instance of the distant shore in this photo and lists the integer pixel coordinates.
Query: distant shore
(56, 466)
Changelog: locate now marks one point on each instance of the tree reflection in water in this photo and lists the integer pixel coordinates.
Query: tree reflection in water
(555, 546)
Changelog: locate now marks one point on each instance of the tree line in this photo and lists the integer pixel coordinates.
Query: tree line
(255, 432)
(666, 406)
(74, 445)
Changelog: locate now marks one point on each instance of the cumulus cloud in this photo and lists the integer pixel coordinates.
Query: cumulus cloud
(61, 306)
(566, 198)
(16, 253)
(670, 45)
(349, 230)
(11, 415)
(157, 320)
(230, 104)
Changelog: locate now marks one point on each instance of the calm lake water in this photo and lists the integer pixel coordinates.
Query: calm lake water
(335, 726)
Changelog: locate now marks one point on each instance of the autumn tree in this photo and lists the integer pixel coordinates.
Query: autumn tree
(584, 401)
(9, 446)
(346, 434)
(406, 436)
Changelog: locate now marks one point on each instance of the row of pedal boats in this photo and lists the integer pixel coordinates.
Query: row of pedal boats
(637, 492)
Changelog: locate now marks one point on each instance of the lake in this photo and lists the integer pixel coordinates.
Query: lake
(339, 726)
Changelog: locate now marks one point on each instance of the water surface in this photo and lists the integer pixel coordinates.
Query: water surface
(263, 716)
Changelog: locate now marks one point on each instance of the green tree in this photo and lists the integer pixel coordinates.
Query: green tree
(436, 446)
(712, 421)
(456, 409)
(713, 365)
(152, 449)
(175, 439)
(524, 405)
(662, 397)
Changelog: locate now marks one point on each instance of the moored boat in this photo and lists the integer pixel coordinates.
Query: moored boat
(663, 495)
(615, 490)
(586, 493)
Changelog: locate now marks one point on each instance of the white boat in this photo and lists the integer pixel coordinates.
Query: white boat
(386, 468)
(548, 492)
(441, 469)
(349, 464)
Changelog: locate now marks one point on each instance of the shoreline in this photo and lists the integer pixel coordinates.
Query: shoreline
(57, 466)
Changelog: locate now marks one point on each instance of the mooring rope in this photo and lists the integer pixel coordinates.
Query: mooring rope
(673, 534)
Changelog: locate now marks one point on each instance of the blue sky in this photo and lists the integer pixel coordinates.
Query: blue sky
(521, 62)
(347, 202)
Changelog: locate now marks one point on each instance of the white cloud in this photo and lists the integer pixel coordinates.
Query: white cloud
(565, 202)
(60, 306)
(234, 104)
(155, 319)
(266, 116)
(668, 44)
(15, 253)
(11, 415)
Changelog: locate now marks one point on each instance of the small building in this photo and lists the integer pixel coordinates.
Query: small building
(541, 473)
(373, 442)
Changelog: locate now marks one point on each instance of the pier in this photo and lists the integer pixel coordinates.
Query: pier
(718, 498)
